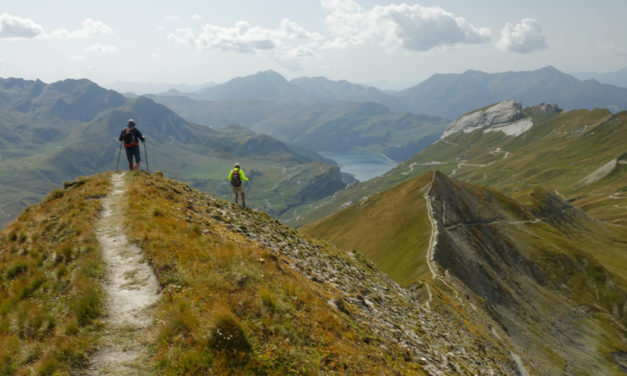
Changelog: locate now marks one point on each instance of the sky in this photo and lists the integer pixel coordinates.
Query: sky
(387, 44)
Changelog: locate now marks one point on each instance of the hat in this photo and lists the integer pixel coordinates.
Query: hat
(131, 122)
(236, 164)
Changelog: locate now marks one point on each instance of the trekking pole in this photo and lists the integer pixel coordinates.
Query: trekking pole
(117, 165)
(146, 155)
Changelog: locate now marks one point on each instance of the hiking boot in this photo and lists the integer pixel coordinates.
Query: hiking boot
(243, 204)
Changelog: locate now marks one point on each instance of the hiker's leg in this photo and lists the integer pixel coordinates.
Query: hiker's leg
(234, 190)
(129, 157)
(243, 199)
(137, 155)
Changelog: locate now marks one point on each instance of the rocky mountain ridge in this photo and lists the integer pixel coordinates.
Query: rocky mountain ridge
(240, 293)
(536, 269)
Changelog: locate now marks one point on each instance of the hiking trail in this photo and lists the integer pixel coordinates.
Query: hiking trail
(131, 291)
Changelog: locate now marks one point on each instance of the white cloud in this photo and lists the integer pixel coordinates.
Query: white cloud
(101, 48)
(614, 49)
(18, 27)
(172, 18)
(77, 57)
(90, 28)
(410, 27)
(196, 17)
(525, 37)
(288, 41)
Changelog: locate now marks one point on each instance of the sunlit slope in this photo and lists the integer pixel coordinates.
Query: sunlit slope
(244, 294)
(391, 228)
(240, 294)
(560, 152)
(580, 154)
(552, 276)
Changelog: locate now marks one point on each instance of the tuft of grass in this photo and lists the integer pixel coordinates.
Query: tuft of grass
(17, 268)
(228, 334)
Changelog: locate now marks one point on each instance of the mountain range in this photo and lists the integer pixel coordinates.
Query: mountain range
(55, 132)
(617, 78)
(444, 95)
(357, 127)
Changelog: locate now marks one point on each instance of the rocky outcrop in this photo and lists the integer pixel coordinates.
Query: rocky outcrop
(506, 116)
(505, 253)
(322, 185)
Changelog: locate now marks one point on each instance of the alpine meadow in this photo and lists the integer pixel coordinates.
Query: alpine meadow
(332, 187)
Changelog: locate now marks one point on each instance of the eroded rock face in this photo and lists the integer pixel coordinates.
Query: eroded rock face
(492, 118)
(537, 295)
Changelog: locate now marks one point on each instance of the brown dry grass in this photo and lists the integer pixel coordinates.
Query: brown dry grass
(229, 306)
(50, 271)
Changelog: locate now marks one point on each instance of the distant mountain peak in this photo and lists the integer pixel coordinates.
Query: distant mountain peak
(267, 75)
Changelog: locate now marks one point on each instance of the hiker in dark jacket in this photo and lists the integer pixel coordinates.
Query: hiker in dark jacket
(131, 136)
(237, 177)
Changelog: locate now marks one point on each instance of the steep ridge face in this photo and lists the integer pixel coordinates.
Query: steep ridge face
(549, 276)
(537, 270)
(391, 228)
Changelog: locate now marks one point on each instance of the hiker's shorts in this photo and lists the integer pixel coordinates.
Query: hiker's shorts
(238, 188)
(131, 152)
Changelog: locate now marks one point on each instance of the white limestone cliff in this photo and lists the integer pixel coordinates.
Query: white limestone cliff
(506, 117)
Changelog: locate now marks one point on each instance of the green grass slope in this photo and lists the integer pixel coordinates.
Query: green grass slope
(391, 228)
(559, 153)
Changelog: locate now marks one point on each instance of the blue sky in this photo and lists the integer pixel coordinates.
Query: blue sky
(382, 43)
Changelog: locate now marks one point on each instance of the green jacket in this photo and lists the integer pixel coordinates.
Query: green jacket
(241, 174)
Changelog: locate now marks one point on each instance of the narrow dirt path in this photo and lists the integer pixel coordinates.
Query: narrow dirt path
(131, 290)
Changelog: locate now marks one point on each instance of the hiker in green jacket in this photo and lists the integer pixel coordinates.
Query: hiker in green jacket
(236, 177)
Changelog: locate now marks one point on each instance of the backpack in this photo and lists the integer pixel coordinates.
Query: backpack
(128, 136)
(236, 181)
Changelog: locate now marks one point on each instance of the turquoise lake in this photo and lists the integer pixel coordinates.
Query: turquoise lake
(362, 166)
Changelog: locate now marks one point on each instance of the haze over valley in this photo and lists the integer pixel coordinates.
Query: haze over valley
(432, 189)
